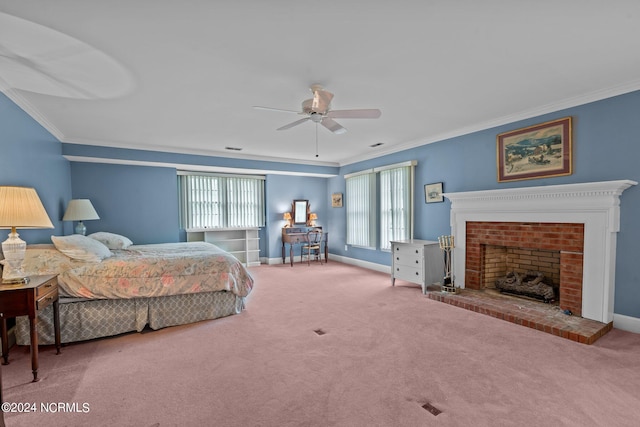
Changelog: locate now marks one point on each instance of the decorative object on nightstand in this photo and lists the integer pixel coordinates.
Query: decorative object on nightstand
(312, 219)
(27, 300)
(20, 207)
(80, 210)
(287, 217)
(447, 245)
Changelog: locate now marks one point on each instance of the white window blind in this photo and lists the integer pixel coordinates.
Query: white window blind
(395, 205)
(219, 201)
(396, 188)
(360, 201)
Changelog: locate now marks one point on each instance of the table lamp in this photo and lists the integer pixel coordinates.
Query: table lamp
(287, 217)
(80, 210)
(20, 207)
(312, 219)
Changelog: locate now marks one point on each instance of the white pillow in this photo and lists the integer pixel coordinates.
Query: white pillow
(111, 240)
(81, 247)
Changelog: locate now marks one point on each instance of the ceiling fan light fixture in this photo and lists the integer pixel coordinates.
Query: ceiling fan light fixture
(316, 117)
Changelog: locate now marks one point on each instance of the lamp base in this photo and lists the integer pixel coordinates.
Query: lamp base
(81, 228)
(14, 250)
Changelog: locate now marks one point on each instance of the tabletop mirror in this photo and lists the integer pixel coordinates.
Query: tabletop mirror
(300, 211)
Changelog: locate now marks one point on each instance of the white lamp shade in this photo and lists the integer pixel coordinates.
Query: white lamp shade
(20, 207)
(80, 210)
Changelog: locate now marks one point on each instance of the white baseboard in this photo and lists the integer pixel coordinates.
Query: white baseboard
(626, 323)
(339, 258)
(360, 263)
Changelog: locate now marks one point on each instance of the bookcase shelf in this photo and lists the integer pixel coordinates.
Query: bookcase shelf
(243, 243)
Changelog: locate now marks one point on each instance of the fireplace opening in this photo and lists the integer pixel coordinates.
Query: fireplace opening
(522, 272)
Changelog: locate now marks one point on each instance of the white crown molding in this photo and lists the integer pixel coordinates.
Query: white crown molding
(583, 99)
(194, 168)
(15, 96)
(208, 153)
(594, 204)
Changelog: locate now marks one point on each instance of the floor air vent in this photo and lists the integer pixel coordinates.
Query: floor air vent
(319, 332)
(429, 407)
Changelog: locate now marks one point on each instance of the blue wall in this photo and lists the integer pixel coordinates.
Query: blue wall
(606, 147)
(139, 202)
(281, 190)
(31, 157)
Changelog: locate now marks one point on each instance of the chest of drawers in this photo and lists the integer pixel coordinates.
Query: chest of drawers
(417, 261)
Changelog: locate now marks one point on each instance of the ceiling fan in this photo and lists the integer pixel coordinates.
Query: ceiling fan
(317, 109)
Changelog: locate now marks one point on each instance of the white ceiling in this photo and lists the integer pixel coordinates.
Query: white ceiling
(182, 76)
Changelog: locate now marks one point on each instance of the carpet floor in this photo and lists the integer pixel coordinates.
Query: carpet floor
(333, 345)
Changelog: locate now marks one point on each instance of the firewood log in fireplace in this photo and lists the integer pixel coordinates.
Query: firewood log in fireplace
(530, 284)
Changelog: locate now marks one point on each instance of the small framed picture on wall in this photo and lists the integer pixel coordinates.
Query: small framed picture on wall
(433, 193)
(336, 200)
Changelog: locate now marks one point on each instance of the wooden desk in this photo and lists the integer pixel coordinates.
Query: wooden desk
(298, 235)
(27, 300)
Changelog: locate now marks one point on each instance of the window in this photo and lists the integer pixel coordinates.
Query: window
(395, 209)
(395, 205)
(219, 201)
(360, 201)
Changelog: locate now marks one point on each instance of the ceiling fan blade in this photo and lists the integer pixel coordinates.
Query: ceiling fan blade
(296, 123)
(321, 100)
(355, 114)
(275, 109)
(332, 125)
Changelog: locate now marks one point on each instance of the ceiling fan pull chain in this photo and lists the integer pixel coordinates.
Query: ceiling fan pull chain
(316, 139)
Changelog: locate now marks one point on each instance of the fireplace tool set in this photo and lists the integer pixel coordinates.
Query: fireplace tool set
(447, 245)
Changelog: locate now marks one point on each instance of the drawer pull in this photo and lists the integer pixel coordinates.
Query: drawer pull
(397, 258)
(417, 273)
(397, 269)
(416, 251)
(417, 262)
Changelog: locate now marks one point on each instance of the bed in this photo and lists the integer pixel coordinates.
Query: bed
(120, 287)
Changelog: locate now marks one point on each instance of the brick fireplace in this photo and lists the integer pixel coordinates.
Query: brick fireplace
(581, 221)
(526, 244)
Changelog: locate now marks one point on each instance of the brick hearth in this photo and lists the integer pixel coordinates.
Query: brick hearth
(533, 314)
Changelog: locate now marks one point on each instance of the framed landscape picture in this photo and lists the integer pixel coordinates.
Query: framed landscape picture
(433, 193)
(539, 151)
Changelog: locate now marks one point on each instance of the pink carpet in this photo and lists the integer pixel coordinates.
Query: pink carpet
(335, 345)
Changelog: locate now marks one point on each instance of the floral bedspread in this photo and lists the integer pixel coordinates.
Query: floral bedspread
(145, 271)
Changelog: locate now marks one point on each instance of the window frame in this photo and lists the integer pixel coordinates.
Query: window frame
(233, 212)
(375, 217)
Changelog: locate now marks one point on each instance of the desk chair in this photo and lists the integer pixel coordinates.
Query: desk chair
(312, 246)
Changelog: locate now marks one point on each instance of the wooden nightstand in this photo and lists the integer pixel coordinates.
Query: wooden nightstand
(27, 300)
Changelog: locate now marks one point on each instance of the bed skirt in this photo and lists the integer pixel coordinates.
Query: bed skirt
(82, 320)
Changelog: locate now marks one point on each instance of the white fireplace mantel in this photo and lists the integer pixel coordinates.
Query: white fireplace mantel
(594, 204)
